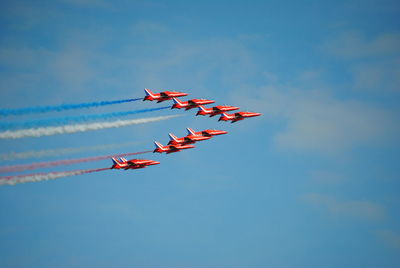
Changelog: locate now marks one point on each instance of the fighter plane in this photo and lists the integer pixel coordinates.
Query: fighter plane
(215, 110)
(206, 133)
(189, 139)
(162, 96)
(122, 163)
(190, 103)
(170, 148)
(237, 116)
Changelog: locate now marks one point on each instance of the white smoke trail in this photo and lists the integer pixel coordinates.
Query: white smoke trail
(12, 180)
(62, 151)
(48, 131)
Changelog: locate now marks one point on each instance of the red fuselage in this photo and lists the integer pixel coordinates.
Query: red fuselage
(134, 164)
(237, 116)
(212, 132)
(206, 133)
(189, 139)
(171, 148)
(190, 104)
(162, 96)
(215, 110)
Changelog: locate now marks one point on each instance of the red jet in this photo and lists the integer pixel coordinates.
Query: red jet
(122, 163)
(190, 104)
(237, 116)
(206, 133)
(189, 139)
(170, 148)
(162, 96)
(215, 110)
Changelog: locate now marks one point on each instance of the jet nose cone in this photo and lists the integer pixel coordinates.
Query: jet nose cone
(155, 162)
(217, 132)
(257, 114)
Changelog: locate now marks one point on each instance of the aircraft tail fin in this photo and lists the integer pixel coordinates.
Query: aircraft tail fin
(158, 145)
(202, 108)
(115, 161)
(148, 92)
(173, 137)
(224, 117)
(191, 131)
(177, 101)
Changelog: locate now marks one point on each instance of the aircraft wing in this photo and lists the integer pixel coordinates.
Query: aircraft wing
(188, 139)
(164, 94)
(173, 148)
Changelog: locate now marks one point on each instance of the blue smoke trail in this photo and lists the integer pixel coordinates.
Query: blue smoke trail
(73, 119)
(59, 108)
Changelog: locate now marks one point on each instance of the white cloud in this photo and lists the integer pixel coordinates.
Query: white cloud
(318, 122)
(72, 67)
(379, 75)
(222, 60)
(325, 176)
(390, 238)
(120, 209)
(150, 27)
(89, 3)
(356, 45)
(359, 209)
(374, 63)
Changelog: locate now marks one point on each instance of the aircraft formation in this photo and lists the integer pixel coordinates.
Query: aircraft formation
(83, 123)
(178, 144)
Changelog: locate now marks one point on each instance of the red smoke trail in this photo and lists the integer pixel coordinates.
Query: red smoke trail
(12, 180)
(63, 162)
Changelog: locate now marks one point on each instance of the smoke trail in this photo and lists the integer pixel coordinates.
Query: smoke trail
(12, 180)
(63, 162)
(74, 119)
(48, 131)
(59, 108)
(63, 151)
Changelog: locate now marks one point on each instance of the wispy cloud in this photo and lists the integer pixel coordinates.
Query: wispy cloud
(356, 45)
(148, 27)
(374, 62)
(326, 177)
(73, 67)
(359, 209)
(89, 3)
(319, 122)
(390, 238)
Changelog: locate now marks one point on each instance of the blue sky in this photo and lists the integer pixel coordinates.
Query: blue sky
(313, 182)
